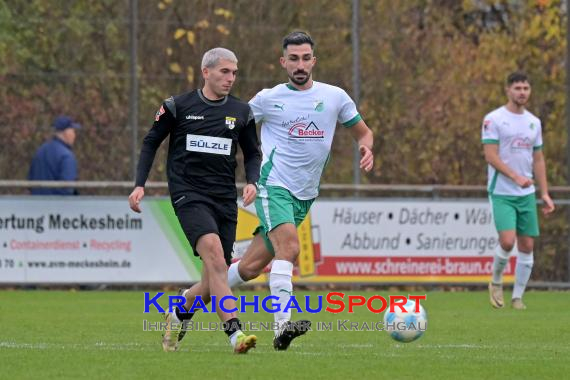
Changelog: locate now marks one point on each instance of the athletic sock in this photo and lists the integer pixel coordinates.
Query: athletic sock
(523, 269)
(500, 260)
(183, 315)
(234, 336)
(232, 328)
(282, 288)
(234, 279)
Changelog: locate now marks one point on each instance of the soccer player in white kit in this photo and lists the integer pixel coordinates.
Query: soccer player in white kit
(512, 143)
(298, 121)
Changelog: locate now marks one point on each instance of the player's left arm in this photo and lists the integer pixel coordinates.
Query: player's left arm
(539, 168)
(249, 143)
(365, 139)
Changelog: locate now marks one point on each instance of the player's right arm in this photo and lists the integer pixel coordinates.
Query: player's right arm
(163, 123)
(256, 105)
(492, 157)
(491, 140)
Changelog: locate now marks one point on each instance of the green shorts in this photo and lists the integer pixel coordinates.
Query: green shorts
(276, 205)
(515, 213)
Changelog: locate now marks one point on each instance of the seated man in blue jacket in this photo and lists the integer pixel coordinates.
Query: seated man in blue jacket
(54, 160)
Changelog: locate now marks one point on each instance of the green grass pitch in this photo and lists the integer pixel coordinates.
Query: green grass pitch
(91, 334)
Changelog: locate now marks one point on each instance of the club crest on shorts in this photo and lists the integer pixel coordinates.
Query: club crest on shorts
(230, 122)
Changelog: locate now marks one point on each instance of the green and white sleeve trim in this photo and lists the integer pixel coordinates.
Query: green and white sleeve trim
(490, 141)
(352, 121)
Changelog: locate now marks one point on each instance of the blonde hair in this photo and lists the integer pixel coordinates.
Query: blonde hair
(212, 57)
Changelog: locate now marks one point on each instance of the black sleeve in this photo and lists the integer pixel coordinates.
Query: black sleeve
(164, 121)
(249, 144)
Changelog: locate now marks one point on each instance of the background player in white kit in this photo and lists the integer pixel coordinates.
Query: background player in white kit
(298, 121)
(512, 141)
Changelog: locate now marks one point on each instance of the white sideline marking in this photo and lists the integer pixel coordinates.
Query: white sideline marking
(305, 349)
(78, 346)
(467, 346)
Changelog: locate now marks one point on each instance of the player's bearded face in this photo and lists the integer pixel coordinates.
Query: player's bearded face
(300, 77)
(519, 93)
(298, 60)
(221, 78)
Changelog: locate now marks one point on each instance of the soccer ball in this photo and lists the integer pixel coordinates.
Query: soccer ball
(406, 327)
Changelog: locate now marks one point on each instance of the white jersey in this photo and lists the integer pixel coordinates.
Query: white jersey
(518, 136)
(297, 130)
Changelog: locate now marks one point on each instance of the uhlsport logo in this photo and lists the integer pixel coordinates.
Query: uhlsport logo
(194, 117)
(306, 131)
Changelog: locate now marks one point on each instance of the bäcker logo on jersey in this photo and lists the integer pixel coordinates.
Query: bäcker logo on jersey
(521, 143)
(306, 131)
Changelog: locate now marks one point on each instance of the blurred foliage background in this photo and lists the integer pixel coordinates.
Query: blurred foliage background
(430, 71)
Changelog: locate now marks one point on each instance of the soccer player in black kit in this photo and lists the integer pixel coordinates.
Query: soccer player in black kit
(205, 126)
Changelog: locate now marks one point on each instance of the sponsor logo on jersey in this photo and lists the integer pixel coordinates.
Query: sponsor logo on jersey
(230, 122)
(159, 113)
(306, 131)
(280, 106)
(531, 126)
(297, 120)
(194, 117)
(486, 124)
(521, 143)
(208, 144)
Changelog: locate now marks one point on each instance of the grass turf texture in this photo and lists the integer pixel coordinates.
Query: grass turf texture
(91, 334)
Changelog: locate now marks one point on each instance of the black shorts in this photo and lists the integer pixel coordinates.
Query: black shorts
(199, 215)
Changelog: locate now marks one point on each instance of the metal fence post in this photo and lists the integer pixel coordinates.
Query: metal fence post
(134, 83)
(356, 81)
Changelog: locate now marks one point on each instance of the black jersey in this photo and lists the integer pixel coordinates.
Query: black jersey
(204, 135)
